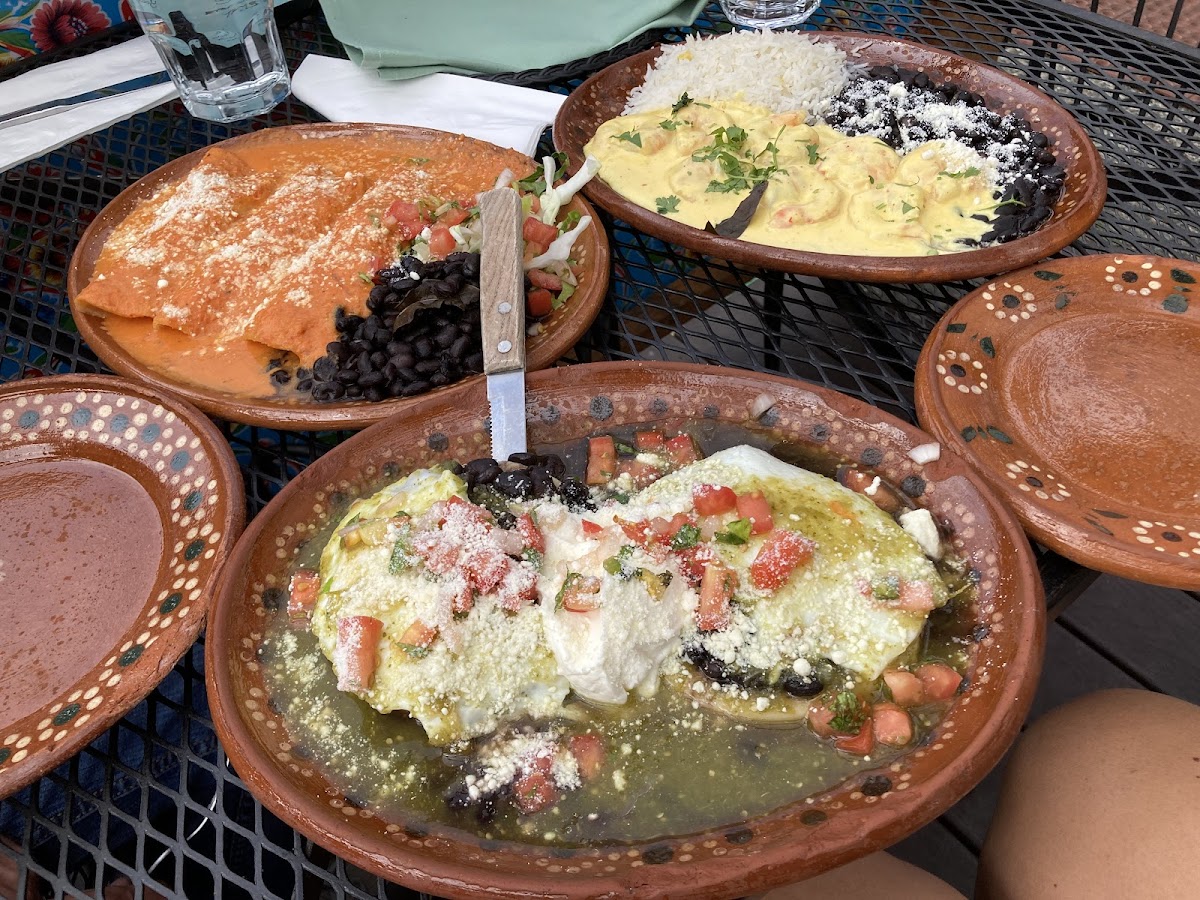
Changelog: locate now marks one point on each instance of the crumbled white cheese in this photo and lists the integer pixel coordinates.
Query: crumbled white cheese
(921, 528)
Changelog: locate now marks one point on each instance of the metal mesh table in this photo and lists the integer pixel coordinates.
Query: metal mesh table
(154, 798)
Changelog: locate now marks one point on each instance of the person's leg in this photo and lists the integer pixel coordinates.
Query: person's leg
(1101, 799)
(879, 876)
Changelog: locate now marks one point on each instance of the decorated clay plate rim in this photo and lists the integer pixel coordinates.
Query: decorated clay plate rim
(561, 330)
(701, 863)
(1073, 216)
(186, 581)
(1070, 518)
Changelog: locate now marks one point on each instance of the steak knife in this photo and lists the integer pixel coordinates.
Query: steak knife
(502, 318)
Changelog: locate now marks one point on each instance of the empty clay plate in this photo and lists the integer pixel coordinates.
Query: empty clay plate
(119, 506)
(874, 807)
(1071, 388)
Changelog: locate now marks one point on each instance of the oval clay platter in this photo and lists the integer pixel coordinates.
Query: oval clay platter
(602, 97)
(871, 810)
(559, 331)
(1070, 387)
(120, 506)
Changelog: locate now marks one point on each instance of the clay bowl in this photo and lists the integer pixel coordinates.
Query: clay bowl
(120, 506)
(796, 840)
(1070, 388)
(602, 97)
(560, 331)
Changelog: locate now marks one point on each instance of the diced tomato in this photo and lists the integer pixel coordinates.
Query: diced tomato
(693, 562)
(681, 450)
(588, 750)
(303, 588)
(590, 528)
(941, 682)
(407, 217)
(641, 473)
(819, 718)
(665, 529)
(486, 568)
(456, 506)
(417, 638)
(916, 596)
(892, 725)
(354, 656)
(534, 791)
(539, 303)
(906, 688)
(441, 242)
(530, 533)
(535, 231)
(440, 555)
(713, 499)
(864, 483)
(518, 589)
(602, 459)
(754, 506)
(716, 591)
(639, 532)
(580, 593)
(543, 279)
(463, 599)
(455, 215)
(859, 744)
(650, 441)
(778, 557)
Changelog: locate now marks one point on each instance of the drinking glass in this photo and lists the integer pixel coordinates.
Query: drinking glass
(768, 13)
(223, 55)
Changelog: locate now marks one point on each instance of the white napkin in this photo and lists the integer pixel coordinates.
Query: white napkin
(112, 65)
(500, 113)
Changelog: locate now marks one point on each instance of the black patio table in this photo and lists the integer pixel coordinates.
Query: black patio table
(154, 799)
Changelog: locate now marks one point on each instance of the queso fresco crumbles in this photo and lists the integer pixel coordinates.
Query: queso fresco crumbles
(511, 648)
(781, 140)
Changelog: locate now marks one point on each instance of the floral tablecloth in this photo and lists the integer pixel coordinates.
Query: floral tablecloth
(28, 27)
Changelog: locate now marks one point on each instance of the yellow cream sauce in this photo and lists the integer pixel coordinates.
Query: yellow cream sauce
(830, 193)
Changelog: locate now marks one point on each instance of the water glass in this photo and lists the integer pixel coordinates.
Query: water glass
(224, 55)
(768, 13)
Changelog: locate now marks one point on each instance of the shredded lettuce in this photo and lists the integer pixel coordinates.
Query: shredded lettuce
(560, 249)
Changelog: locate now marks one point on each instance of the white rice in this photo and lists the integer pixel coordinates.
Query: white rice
(782, 71)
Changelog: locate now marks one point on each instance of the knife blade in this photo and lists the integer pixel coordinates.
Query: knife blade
(51, 107)
(502, 318)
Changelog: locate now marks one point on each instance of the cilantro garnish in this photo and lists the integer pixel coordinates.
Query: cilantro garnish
(906, 207)
(418, 160)
(685, 538)
(736, 162)
(632, 137)
(664, 205)
(736, 532)
(886, 588)
(533, 557)
(966, 173)
(668, 124)
(403, 556)
(813, 158)
(535, 182)
(365, 278)
(848, 713)
(570, 220)
(679, 104)
(569, 582)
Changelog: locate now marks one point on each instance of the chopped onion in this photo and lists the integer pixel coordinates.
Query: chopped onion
(762, 403)
(925, 453)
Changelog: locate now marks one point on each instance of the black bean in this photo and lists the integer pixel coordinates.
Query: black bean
(323, 393)
(444, 287)
(458, 796)
(396, 386)
(524, 458)
(517, 484)
(801, 685)
(353, 391)
(555, 464)
(347, 375)
(389, 370)
(447, 336)
(352, 323)
(304, 385)
(437, 379)
(427, 366)
(407, 373)
(363, 363)
(575, 494)
(375, 394)
(423, 348)
(371, 379)
(543, 484)
(1045, 157)
(474, 362)
(358, 345)
(379, 359)
(482, 470)
(417, 387)
(397, 347)
(487, 810)
(303, 372)
(334, 348)
(920, 80)
(712, 667)
(281, 376)
(1040, 140)
(337, 390)
(403, 361)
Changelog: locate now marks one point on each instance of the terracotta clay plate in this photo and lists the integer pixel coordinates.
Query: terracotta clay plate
(560, 331)
(874, 808)
(120, 506)
(1070, 387)
(602, 97)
